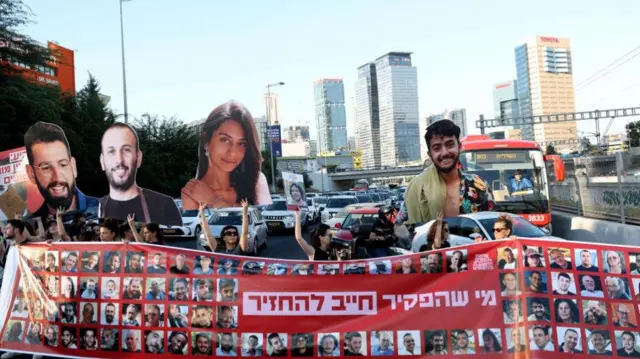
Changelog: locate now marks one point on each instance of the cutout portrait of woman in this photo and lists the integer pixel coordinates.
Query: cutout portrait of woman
(229, 162)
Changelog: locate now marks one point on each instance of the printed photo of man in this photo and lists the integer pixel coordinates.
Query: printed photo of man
(541, 338)
(355, 344)
(120, 160)
(599, 342)
(52, 168)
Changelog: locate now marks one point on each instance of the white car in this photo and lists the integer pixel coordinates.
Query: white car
(340, 216)
(190, 227)
(222, 217)
(335, 205)
(278, 217)
(314, 212)
(462, 227)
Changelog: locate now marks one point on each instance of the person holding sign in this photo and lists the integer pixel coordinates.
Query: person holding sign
(320, 245)
(229, 162)
(443, 187)
(294, 185)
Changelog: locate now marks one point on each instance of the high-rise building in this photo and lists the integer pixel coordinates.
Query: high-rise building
(368, 115)
(457, 116)
(313, 148)
(351, 143)
(296, 133)
(545, 86)
(505, 106)
(331, 118)
(261, 126)
(272, 105)
(397, 81)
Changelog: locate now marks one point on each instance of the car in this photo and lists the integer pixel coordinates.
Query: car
(311, 195)
(462, 227)
(336, 221)
(335, 205)
(321, 203)
(190, 228)
(314, 213)
(366, 217)
(279, 217)
(232, 216)
(277, 197)
(364, 198)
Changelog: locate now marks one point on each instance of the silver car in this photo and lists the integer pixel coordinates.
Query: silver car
(464, 226)
(232, 216)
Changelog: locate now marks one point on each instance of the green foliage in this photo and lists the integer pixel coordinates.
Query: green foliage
(633, 133)
(266, 166)
(551, 150)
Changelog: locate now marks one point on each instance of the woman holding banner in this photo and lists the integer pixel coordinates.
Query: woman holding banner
(229, 162)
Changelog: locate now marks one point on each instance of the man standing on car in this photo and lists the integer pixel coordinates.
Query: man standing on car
(443, 187)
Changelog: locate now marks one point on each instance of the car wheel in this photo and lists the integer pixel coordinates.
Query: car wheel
(197, 231)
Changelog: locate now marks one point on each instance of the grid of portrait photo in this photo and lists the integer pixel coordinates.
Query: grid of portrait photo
(576, 300)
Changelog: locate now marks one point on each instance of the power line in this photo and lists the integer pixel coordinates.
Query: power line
(598, 75)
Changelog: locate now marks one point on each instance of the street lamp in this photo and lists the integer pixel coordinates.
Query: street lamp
(124, 71)
(273, 174)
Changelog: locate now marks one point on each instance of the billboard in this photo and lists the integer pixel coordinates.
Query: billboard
(274, 135)
(516, 298)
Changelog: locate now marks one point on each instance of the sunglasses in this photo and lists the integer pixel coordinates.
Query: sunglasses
(230, 233)
(499, 229)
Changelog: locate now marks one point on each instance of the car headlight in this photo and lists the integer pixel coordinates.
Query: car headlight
(187, 224)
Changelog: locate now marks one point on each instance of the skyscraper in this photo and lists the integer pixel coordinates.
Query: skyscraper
(397, 83)
(331, 118)
(505, 106)
(272, 105)
(368, 116)
(296, 133)
(457, 116)
(261, 126)
(545, 86)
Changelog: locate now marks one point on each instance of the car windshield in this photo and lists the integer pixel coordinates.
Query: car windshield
(376, 197)
(358, 218)
(521, 228)
(277, 206)
(364, 199)
(226, 218)
(340, 202)
(309, 202)
(190, 213)
(322, 200)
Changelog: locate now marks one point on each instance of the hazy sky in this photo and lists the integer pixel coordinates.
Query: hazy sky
(185, 57)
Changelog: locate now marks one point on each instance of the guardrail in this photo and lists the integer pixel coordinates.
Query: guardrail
(600, 188)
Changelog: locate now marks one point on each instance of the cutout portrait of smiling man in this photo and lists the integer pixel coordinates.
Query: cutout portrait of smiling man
(52, 168)
(120, 159)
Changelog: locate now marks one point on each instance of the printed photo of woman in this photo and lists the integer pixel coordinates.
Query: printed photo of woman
(229, 162)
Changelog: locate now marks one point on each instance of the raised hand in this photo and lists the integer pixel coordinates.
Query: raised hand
(60, 212)
(131, 219)
(439, 217)
(245, 205)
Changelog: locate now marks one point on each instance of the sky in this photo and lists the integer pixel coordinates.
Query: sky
(183, 58)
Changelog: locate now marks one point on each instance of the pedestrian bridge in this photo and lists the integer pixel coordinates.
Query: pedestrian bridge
(375, 173)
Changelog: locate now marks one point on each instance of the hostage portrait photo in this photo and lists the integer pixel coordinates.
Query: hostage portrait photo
(229, 162)
(120, 159)
(294, 190)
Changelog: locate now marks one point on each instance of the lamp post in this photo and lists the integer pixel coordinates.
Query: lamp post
(124, 71)
(273, 173)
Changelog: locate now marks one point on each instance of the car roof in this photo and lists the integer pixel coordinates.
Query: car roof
(343, 196)
(487, 215)
(367, 210)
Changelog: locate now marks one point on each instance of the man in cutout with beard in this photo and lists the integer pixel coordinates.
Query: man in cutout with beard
(443, 187)
(120, 160)
(52, 168)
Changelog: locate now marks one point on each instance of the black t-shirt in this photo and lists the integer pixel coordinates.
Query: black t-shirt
(162, 208)
(235, 251)
(384, 230)
(320, 255)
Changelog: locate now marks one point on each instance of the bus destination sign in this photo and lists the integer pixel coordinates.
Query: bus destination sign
(501, 156)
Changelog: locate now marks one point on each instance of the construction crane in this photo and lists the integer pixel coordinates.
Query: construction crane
(594, 115)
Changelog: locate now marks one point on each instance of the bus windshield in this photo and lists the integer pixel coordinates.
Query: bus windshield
(517, 178)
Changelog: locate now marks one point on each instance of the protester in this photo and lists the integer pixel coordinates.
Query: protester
(229, 234)
(382, 234)
(151, 232)
(443, 187)
(438, 235)
(320, 245)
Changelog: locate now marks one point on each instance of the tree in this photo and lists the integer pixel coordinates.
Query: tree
(633, 133)
(551, 150)
(20, 49)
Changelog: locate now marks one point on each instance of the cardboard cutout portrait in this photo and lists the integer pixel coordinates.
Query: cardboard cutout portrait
(53, 170)
(120, 159)
(229, 162)
(294, 190)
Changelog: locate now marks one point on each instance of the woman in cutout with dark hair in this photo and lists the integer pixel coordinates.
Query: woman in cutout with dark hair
(229, 162)
(297, 194)
(320, 245)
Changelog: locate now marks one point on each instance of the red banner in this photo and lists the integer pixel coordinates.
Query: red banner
(489, 300)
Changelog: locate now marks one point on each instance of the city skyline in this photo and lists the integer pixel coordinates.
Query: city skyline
(476, 54)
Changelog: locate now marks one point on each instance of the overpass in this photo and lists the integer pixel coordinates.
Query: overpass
(375, 173)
